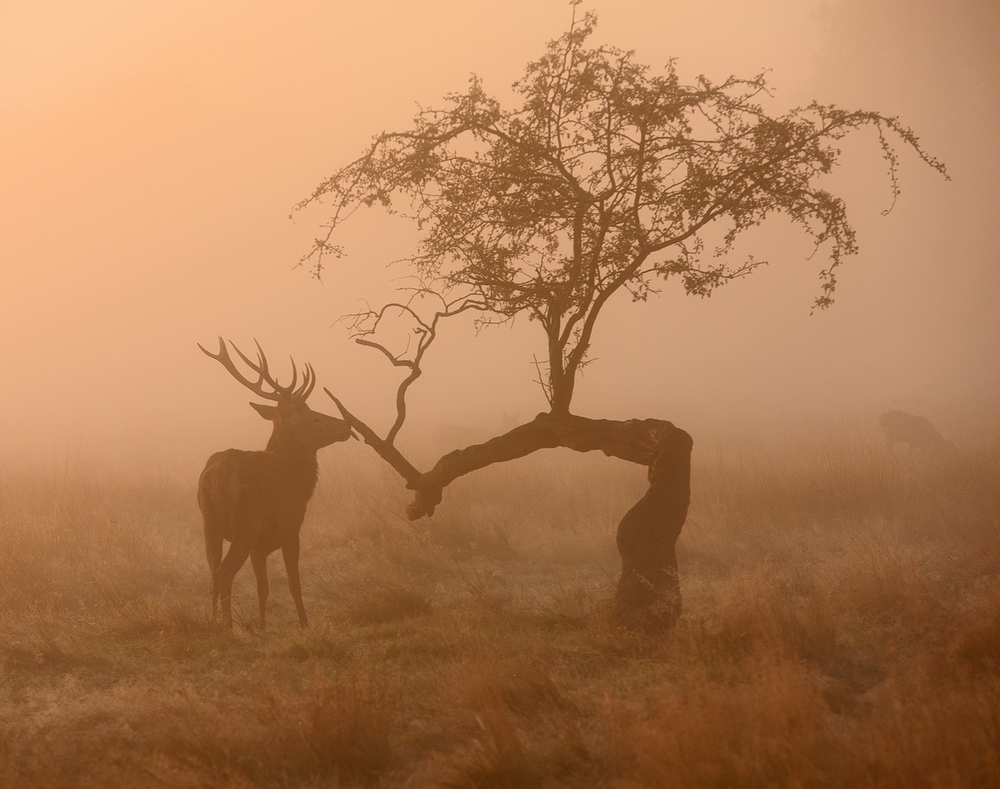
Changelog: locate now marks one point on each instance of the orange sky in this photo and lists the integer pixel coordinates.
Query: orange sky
(151, 153)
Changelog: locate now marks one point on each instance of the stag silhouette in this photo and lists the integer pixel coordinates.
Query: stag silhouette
(257, 500)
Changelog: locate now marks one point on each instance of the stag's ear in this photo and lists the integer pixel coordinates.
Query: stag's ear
(269, 412)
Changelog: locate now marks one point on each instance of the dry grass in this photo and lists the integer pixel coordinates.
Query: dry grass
(841, 628)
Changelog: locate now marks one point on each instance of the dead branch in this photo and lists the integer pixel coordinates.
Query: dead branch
(634, 440)
(364, 325)
(384, 447)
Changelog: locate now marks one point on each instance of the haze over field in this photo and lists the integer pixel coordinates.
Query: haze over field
(827, 615)
(151, 154)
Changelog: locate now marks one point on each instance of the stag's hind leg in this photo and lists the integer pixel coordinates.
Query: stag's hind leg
(213, 542)
(217, 516)
(236, 557)
(259, 561)
(213, 549)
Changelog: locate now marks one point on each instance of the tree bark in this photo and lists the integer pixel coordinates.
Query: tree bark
(649, 594)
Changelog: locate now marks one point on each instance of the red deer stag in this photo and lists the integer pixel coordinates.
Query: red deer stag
(257, 500)
(914, 431)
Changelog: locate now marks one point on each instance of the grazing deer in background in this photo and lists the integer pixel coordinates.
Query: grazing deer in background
(257, 500)
(915, 431)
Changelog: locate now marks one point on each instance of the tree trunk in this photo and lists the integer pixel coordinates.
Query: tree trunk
(562, 392)
(648, 590)
(649, 594)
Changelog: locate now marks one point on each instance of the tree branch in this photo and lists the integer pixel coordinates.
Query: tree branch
(634, 440)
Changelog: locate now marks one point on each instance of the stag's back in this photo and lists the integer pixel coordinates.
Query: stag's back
(239, 487)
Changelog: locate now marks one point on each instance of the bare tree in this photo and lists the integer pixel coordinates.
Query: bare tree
(605, 178)
(257, 500)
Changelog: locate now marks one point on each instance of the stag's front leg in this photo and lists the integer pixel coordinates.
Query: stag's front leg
(259, 561)
(290, 553)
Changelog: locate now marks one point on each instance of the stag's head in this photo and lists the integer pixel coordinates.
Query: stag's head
(293, 420)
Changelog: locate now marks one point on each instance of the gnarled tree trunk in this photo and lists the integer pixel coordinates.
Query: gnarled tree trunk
(648, 591)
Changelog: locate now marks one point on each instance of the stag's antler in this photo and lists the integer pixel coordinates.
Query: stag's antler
(285, 394)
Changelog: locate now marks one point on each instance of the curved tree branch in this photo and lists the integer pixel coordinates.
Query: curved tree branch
(634, 440)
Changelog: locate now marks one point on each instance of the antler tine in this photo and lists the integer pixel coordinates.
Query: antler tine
(293, 392)
(263, 373)
(283, 391)
(308, 383)
(257, 387)
(290, 389)
(300, 392)
(222, 349)
(260, 367)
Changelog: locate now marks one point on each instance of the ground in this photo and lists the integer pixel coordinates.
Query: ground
(841, 627)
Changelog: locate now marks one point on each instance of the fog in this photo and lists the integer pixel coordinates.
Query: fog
(152, 152)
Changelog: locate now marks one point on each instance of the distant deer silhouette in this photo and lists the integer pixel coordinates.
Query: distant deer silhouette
(914, 431)
(257, 500)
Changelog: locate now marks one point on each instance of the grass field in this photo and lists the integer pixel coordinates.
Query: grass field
(841, 627)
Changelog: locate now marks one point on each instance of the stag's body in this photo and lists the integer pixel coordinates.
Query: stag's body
(256, 500)
(915, 431)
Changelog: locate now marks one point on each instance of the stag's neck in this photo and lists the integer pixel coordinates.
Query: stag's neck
(301, 460)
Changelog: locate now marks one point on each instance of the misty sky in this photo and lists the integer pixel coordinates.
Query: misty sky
(150, 154)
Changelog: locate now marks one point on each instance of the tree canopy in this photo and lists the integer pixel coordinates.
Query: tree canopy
(605, 176)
